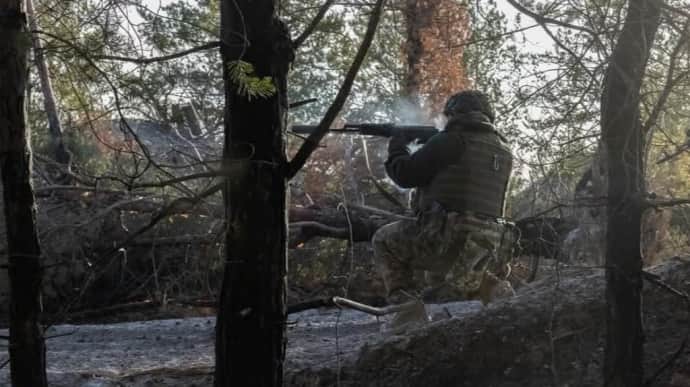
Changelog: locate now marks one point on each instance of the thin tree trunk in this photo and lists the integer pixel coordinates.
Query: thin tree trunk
(624, 142)
(250, 331)
(57, 143)
(27, 347)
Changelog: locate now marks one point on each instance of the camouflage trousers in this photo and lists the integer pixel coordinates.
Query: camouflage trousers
(456, 248)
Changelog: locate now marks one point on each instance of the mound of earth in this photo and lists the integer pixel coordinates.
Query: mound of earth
(550, 334)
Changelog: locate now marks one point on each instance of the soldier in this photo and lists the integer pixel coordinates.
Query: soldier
(461, 177)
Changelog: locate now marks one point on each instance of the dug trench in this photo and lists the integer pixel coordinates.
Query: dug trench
(550, 334)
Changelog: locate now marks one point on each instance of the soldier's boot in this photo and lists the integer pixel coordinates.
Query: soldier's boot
(412, 312)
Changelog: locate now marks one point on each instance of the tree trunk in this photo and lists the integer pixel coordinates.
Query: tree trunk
(27, 347)
(57, 143)
(434, 48)
(623, 139)
(250, 331)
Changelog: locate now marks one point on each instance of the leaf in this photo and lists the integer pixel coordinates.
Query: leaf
(248, 83)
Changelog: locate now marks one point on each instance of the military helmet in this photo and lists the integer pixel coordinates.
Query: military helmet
(469, 101)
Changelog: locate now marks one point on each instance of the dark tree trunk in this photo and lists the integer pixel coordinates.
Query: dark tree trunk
(27, 347)
(57, 143)
(623, 139)
(250, 331)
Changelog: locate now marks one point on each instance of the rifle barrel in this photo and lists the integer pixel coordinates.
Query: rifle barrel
(306, 129)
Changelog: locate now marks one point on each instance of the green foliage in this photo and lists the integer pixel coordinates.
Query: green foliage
(248, 83)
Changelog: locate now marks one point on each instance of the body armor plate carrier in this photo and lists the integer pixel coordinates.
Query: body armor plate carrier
(478, 181)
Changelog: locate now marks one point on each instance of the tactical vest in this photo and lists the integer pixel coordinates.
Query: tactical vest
(478, 180)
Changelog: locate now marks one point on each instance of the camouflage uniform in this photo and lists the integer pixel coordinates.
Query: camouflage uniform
(461, 176)
(454, 247)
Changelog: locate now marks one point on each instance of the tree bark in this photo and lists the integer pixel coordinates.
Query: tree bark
(435, 35)
(57, 143)
(27, 347)
(250, 330)
(624, 142)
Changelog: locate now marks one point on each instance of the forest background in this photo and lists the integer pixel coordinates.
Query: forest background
(111, 61)
(127, 207)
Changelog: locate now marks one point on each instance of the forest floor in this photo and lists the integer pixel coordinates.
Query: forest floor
(550, 334)
(179, 352)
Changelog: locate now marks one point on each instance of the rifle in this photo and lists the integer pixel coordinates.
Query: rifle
(418, 132)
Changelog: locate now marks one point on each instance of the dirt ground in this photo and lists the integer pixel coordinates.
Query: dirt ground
(551, 334)
(179, 352)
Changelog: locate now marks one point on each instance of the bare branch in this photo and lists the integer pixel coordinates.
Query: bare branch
(314, 23)
(541, 19)
(670, 81)
(170, 209)
(157, 59)
(302, 103)
(374, 180)
(314, 139)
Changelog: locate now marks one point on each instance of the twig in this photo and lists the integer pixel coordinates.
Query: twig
(61, 335)
(47, 190)
(302, 103)
(374, 180)
(4, 363)
(180, 179)
(162, 58)
(671, 81)
(168, 210)
(541, 19)
(679, 150)
(108, 210)
(314, 23)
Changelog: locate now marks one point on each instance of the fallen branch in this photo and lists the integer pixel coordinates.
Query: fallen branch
(342, 302)
(177, 205)
(347, 303)
(178, 240)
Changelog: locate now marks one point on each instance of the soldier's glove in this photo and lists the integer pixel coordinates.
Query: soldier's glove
(399, 141)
